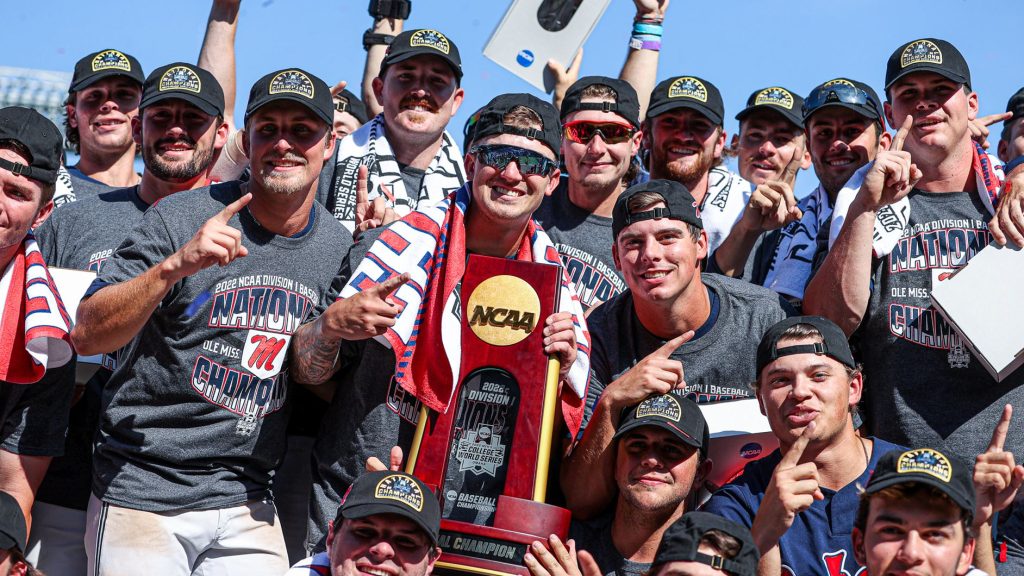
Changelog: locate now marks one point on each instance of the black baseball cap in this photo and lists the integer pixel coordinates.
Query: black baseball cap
(846, 93)
(928, 466)
(834, 343)
(681, 542)
(687, 92)
(679, 205)
(99, 65)
(391, 492)
(626, 104)
(1016, 105)
(673, 412)
(13, 529)
(491, 120)
(423, 42)
(39, 136)
(927, 55)
(186, 82)
(777, 99)
(296, 85)
(346, 101)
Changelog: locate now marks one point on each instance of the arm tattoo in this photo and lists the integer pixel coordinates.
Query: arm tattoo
(315, 357)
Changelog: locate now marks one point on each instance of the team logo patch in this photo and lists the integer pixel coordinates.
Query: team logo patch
(664, 406)
(922, 51)
(264, 352)
(688, 87)
(111, 60)
(838, 82)
(181, 78)
(925, 461)
(401, 489)
(775, 96)
(292, 82)
(430, 39)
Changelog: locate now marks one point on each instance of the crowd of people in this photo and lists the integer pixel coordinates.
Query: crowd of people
(273, 301)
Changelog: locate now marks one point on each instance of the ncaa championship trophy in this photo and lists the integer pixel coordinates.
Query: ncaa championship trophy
(487, 457)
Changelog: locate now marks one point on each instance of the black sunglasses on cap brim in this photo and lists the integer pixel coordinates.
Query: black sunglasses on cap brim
(499, 156)
(837, 94)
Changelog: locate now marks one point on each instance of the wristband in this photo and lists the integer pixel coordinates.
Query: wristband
(381, 9)
(641, 43)
(647, 28)
(371, 39)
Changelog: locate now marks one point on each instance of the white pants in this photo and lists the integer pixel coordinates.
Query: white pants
(57, 542)
(240, 540)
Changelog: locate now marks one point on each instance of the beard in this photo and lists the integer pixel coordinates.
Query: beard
(181, 171)
(283, 184)
(687, 173)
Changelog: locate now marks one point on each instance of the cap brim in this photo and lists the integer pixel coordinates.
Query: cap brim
(373, 508)
(294, 98)
(944, 72)
(94, 78)
(456, 69)
(663, 107)
(874, 487)
(203, 105)
(864, 111)
(657, 423)
(792, 117)
(7, 542)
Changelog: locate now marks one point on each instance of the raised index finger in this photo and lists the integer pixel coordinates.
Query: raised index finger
(789, 174)
(385, 288)
(796, 451)
(901, 134)
(233, 208)
(669, 347)
(993, 118)
(999, 434)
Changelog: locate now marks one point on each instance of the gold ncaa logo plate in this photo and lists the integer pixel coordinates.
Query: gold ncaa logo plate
(503, 310)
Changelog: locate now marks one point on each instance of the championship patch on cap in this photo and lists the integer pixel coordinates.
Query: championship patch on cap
(111, 60)
(402, 489)
(687, 87)
(180, 78)
(775, 96)
(838, 81)
(921, 51)
(293, 82)
(430, 39)
(664, 406)
(925, 461)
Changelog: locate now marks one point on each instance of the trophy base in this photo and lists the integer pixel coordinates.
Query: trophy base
(499, 550)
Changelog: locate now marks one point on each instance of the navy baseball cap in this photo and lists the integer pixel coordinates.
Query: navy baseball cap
(928, 466)
(687, 92)
(423, 42)
(39, 136)
(391, 492)
(626, 104)
(102, 64)
(491, 120)
(346, 101)
(777, 99)
(186, 82)
(13, 528)
(927, 55)
(681, 542)
(679, 205)
(673, 412)
(296, 85)
(834, 343)
(845, 93)
(1016, 105)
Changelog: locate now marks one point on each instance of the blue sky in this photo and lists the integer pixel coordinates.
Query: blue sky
(740, 45)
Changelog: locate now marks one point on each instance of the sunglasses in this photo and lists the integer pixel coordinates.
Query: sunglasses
(583, 131)
(837, 93)
(499, 156)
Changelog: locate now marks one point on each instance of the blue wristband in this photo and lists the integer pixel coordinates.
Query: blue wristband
(645, 28)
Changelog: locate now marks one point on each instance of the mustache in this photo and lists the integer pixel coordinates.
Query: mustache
(422, 101)
(183, 139)
(288, 158)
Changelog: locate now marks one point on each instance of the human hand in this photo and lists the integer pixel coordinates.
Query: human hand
(979, 126)
(655, 374)
(214, 243)
(374, 464)
(893, 173)
(364, 315)
(772, 204)
(560, 340)
(564, 77)
(370, 214)
(996, 477)
(792, 489)
(651, 9)
(1008, 223)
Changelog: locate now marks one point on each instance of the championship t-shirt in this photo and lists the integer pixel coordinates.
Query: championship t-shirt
(193, 416)
(595, 536)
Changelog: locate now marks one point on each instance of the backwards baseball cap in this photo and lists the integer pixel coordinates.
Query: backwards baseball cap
(833, 342)
(390, 492)
(681, 542)
(626, 103)
(491, 120)
(679, 205)
(687, 92)
(99, 65)
(423, 42)
(1016, 105)
(927, 55)
(927, 466)
(846, 93)
(673, 412)
(186, 82)
(39, 136)
(776, 99)
(296, 85)
(346, 101)
(13, 529)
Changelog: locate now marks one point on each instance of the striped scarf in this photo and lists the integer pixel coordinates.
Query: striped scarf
(34, 326)
(430, 244)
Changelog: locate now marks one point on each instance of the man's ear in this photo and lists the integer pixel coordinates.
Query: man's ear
(244, 135)
(972, 106)
(556, 177)
(858, 546)
(329, 145)
(702, 246)
(963, 565)
(1003, 153)
(69, 109)
(221, 138)
(856, 388)
(469, 162)
(377, 84)
(887, 108)
(720, 145)
(615, 256)
(136, 129)
(885, 140)
(42, 215)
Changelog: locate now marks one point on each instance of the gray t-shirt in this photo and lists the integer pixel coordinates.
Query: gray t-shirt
(720, 363)
(34, 417)
(82, 187)
(595, 536)
(81, 236)
(368, 415)
(193, 416)
(584, 241)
